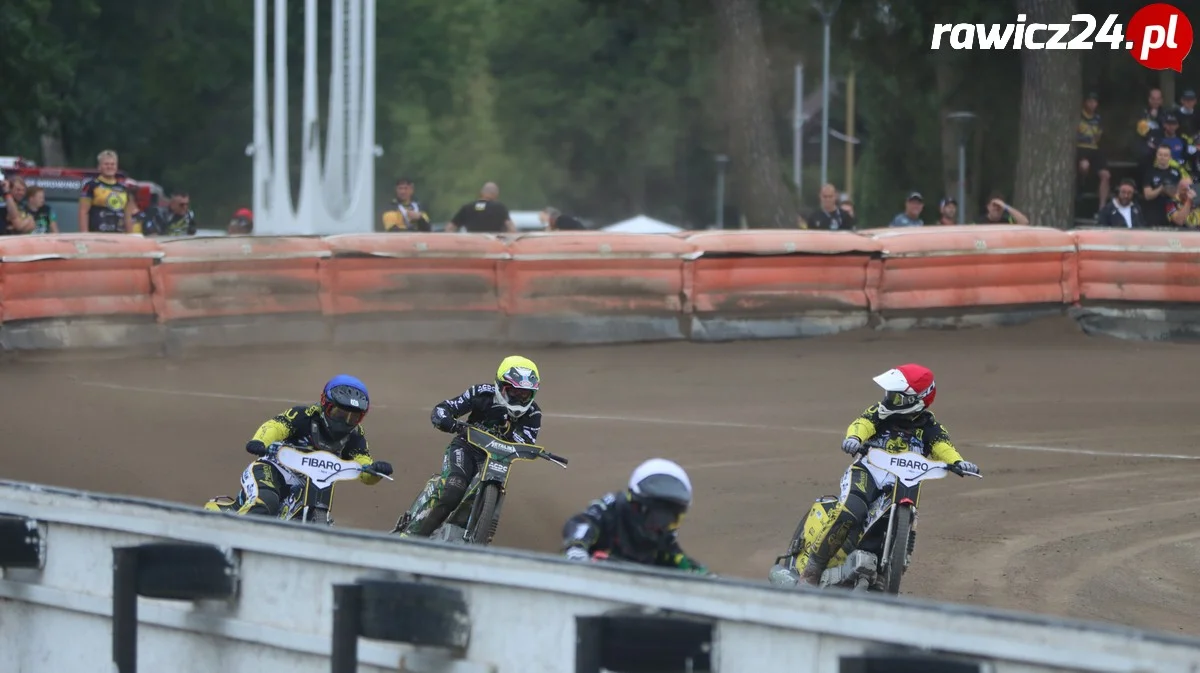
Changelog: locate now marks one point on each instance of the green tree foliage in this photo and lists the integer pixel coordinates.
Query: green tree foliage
(604, 109)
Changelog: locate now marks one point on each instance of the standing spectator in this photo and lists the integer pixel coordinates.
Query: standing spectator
(486, 214)
(1171, 140)
(554, 220)
(20, 221)
(106, 204)
(829, 215)
(1087, 146)
(1149, 126)
(145, 221)
(406, 214)
(241, 224)
(1122, 211)
(44, 219)
(911, 217)
(177, 219)
(1181, 209)
(9, 209)
(999, 212)
(1161, 174)
(948, 209)
(1189, 123)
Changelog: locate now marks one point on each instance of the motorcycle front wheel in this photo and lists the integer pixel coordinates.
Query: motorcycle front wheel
(899, 551)
(485, 524)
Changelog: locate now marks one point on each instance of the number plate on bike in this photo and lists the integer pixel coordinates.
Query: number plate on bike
(910, 468)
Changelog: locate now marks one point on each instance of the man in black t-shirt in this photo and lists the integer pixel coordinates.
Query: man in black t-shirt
(554, 220)
(1161, 174)
(486, 215)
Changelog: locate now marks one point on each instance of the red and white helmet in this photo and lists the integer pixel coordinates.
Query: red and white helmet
(908, 390)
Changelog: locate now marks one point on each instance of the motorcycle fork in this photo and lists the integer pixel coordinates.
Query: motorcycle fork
(901, 495)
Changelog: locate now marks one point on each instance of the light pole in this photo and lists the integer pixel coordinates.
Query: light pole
(798, 128)
(722, 162)
(961, 121)
(827, 8)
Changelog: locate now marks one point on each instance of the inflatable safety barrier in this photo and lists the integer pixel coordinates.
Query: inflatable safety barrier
(974, 274)
(414, 287)
(1139, 284)
(756, 284)
(592, 287)
(95, 290)
(216, 291)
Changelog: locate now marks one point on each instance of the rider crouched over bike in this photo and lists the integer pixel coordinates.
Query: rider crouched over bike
(334, 424)
(900, 423)
(505, 408)
(639, 524)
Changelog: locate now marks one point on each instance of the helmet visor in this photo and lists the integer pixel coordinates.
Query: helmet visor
(663, 516)
(517, 396)
(340, 418)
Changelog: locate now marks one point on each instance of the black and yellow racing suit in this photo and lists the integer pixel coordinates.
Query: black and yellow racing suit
(108, 200)
(461, 460)
(894, 434)
(610, 525)
(266, 484)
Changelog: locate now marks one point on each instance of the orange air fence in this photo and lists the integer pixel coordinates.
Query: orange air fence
(778, 283)
(973, 270)
(588, 287)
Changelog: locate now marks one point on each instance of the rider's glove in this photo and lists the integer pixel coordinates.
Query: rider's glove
(256, 448)
(851, 445)
(969, 468)
(450, 424)
(577, 554)
(382, 467)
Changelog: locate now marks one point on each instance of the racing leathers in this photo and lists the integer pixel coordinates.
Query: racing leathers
(611, 527)
(897, 433)
(266, 484)
(461, 460)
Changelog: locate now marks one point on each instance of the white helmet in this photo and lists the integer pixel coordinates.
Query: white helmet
(661, 479)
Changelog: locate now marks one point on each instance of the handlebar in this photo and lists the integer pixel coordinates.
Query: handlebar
(555, 457)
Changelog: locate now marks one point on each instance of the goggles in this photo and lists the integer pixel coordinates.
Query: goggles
(342, 416)
(521, 396)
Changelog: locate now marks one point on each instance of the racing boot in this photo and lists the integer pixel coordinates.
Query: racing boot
(824, 547)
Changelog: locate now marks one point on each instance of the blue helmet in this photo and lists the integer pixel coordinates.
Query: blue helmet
(344, 404)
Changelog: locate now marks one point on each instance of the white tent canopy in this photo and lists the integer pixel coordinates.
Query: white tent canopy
(642, 225)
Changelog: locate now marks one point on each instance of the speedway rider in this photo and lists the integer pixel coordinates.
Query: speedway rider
(901, 422)
(639, 524)
(333, 425)
(505, 408)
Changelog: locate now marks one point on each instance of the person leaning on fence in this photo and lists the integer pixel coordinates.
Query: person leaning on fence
(105, 203)
(241, 224)
(1182, 210)
(44, 219)
(554, 220)
(911, 217)
(406, 214)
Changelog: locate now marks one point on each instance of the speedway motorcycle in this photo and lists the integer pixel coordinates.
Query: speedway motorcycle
(476, 518)
(877, 560)
(310, 500)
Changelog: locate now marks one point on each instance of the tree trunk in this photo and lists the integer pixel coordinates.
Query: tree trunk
(1051, 94)
(947, 82)
(758, 188)
(53, 153)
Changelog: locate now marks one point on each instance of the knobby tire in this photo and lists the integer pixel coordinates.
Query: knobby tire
(485, 524)
(901, 533)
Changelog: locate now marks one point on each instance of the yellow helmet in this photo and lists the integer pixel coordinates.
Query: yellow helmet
(517, 382)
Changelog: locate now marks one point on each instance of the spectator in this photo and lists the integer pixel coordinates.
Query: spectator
(1181, 209)
(1149, 127)
(847, 206)
(486, 214)
(242, 223)
(1189, 124)
(45, 221)
(828, 215)
(1163, 172)
(20, 221)
(106, 204)
(948, 211)
(8, 208)
(145, 221)
(406, 214)
(1170, 138)
(1191, 166)
(178, 219)
(554, 220)
(999, 212)
(911, 217)
(1122, 211)
(1087, 146)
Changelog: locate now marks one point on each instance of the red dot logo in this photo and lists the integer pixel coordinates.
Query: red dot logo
(1159, 36)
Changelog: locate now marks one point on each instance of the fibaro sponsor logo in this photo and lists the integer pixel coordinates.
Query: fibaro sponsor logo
(1158, 36)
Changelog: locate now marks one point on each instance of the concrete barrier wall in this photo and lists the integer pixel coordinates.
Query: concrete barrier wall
(521, 606)
(97, 290)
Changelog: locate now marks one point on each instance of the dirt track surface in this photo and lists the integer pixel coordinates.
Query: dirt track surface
(1066, 521)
